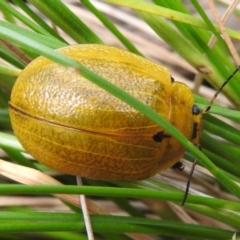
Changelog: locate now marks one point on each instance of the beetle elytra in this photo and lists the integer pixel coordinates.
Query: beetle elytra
(70, 124)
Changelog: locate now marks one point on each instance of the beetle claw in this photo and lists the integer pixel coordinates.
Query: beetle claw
(160, 136)
(178, 165)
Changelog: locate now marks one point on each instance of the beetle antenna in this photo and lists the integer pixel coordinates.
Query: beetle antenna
(208, 107)
(189, 182)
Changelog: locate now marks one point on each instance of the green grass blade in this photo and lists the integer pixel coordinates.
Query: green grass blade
(64, 18)
(107, 23)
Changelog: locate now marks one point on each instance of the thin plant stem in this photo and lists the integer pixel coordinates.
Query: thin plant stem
(86, 217)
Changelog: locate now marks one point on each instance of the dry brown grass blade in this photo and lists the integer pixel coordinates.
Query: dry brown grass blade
(198, 80)
(16, 51)
(31, 176)
(220, 22)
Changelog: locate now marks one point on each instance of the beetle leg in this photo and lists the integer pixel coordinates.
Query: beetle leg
(158, 137)
(178, 165)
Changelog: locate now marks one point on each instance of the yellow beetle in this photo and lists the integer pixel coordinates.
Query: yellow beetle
(70, 124)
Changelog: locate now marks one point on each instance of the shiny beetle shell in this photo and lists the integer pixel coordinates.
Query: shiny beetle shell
(72, 125)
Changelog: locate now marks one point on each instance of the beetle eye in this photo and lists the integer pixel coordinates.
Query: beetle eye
(195, 110)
